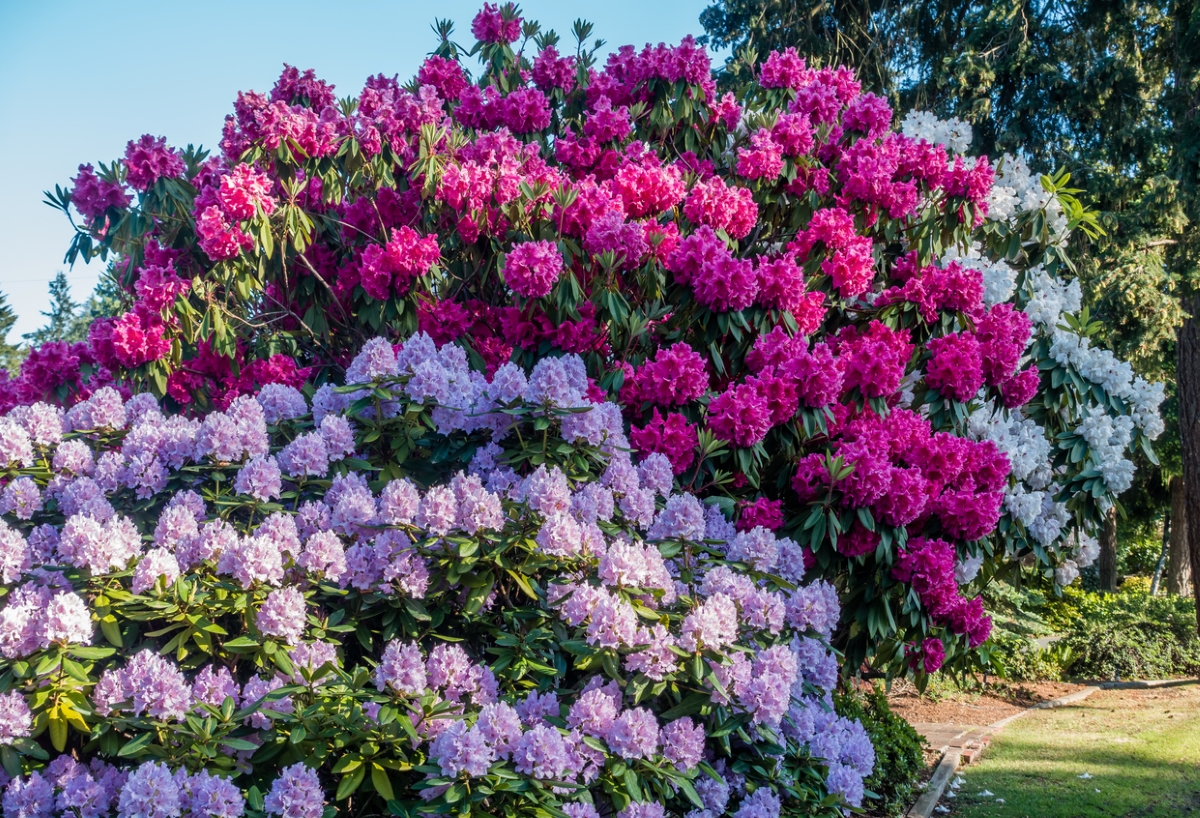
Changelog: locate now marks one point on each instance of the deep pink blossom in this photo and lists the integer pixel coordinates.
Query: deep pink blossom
(532, 267)
(496, 24)
(782, 69)
(148, 160)
(955, 368)
(672, 436)
(92, 196)
(244, 192)
(447, 76)
(873, 360)
(762, 512)
(138, 339)
(713, 203)
(677, 375)
(1003, 334)
(932, 655)
(740, 415)
(726, 284)
(781, 284)
(1020, 389)
(550, 71)
(648, 189)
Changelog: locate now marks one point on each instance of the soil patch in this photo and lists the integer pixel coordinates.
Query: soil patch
(974, 707)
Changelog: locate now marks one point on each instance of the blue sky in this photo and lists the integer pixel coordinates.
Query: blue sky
(80, 79)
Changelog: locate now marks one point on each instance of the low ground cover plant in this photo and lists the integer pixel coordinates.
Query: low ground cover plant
(1129, 635)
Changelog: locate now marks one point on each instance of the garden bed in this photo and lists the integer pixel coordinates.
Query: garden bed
(980, 707)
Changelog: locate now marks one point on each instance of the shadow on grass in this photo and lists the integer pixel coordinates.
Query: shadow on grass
(1143, 761)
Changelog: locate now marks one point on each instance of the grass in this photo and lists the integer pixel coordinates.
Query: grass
(1140, 747)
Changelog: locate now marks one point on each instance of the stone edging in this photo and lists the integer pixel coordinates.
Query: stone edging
(954, 756)
(946, 769)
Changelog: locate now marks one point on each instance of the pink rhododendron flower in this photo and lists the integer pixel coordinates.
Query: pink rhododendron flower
(532, 267)
(148, 160)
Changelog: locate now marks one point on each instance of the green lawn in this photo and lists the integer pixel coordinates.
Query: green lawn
(1141, 748)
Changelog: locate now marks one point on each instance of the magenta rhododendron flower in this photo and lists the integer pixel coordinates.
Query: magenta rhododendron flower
(496, 24)
(532, 267)
(782, 69)
(148, 160)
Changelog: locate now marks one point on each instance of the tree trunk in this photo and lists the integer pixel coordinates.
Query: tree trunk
(1179, 565)
(1161, 565)
(1108, 553)
(1188, 380)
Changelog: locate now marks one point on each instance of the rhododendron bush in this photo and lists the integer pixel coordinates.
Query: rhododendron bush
(243, 613)
(782, 308)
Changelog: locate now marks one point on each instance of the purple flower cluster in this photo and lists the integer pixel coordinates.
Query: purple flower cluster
(260, 478)
(401, 669)
(15, 718)
(296, 793)
(283, 615)
(151, 684)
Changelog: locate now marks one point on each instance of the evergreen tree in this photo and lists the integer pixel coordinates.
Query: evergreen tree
(10, 356)
(104, 302)
(62, 317)
(69, 321)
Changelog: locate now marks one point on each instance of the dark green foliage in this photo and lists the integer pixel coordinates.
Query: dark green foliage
(1019, 618)
(1137, 650)
(1133, 636)
(1138, 556)
(899, 757)
(1130, 635)
(1021, 659)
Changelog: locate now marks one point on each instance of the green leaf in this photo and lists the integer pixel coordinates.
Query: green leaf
(238, 744)
(350, 783)
(111, 631)
(139, 743)
(383, 785)
(243, 642)
(687, 707)
(10, 760)
(58, 729)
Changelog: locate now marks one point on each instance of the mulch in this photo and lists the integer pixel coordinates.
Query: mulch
(974, 707)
